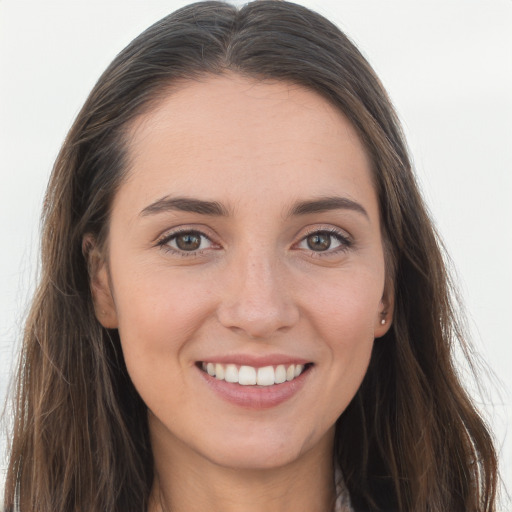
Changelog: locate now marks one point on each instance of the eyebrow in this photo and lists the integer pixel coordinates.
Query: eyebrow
(325, 204)
(186, 204)
(214, 208)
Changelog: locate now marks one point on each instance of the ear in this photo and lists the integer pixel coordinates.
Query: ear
(384, 317)
(100, 283)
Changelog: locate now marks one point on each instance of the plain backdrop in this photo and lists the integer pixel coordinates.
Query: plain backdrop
(447, 65)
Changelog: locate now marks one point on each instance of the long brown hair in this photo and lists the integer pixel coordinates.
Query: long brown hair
(410, 439)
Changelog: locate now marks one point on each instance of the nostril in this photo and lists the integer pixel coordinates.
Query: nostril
(257, 321)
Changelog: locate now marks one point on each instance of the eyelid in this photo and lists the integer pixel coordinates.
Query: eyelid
(162, 241)
(324, 228)
(345, 239)
(185, 228)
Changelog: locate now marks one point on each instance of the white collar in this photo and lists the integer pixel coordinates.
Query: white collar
(342, 503)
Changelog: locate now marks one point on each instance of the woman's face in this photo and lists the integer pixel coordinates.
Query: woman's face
(245, 270)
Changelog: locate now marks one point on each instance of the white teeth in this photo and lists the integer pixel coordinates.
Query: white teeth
(247, 376)
(250, 376)
(219, 371)
(280, 374)
(231, 374)
(266, 376)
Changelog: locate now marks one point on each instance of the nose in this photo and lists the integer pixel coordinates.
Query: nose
(257, 299)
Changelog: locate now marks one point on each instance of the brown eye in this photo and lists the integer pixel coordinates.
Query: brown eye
(330, 242)
(319, 241)
(188, 241)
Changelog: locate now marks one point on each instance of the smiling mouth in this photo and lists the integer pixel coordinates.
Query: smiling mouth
(252, 376)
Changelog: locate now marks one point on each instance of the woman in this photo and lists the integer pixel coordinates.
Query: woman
(243, 303)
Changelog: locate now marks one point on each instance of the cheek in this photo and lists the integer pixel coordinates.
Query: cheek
(345, 306)
(343, 317)
(158, 316)
(158, 312)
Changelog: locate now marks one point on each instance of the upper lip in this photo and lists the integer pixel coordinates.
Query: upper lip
(256, 361)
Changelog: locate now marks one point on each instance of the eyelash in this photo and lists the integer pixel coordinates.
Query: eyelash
(344, 241)
(163, 243)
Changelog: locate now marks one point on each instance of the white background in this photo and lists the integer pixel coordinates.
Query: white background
(447, 65)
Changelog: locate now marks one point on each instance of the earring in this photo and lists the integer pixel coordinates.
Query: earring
(383, 321)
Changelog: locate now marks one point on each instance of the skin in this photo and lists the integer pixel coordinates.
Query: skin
(255, 286)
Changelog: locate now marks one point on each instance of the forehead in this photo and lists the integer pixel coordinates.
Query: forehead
(246, 138)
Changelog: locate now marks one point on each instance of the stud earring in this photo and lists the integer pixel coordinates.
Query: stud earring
(383, 321)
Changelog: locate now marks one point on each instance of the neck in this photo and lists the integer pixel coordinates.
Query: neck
(188, 482)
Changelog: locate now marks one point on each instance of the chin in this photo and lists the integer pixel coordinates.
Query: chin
(254, 456)
(261, 451)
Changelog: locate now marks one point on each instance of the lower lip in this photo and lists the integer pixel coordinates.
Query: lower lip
(256, 397)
